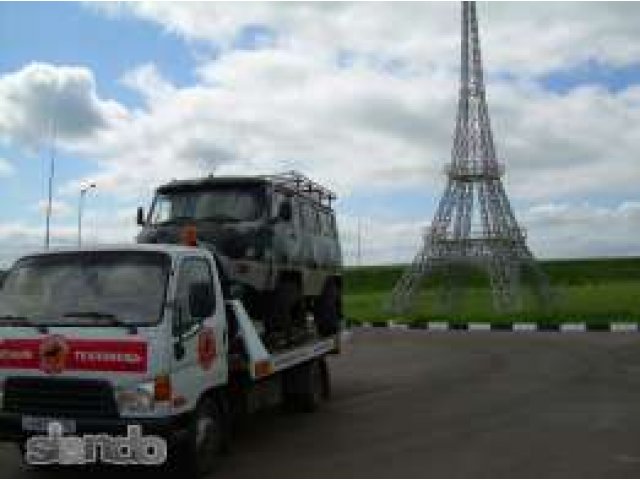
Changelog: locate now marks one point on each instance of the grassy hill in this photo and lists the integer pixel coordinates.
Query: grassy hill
(585, 290)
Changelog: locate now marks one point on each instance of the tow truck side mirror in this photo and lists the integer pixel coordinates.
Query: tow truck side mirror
(201, 300)
(178, 346)
(140, 216)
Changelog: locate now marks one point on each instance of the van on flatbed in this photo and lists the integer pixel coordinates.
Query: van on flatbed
(98, 339)
(275, 239)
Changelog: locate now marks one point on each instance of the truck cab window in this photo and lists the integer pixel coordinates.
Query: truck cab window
(195, 297)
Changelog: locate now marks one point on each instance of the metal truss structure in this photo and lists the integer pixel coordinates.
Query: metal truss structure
(474, 223)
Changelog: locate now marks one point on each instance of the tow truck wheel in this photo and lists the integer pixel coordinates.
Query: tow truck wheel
(327, 310)
(206, 437)
(306, 386)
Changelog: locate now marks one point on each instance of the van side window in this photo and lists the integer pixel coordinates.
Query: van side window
(299, 211)
(195, 295)
(310, 218)
(332, 224)
(327, 224)
(282, 198)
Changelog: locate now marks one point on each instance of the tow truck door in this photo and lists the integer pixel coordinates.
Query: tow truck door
(198, 331)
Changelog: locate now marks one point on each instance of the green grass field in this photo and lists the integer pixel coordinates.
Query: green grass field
(593, 291)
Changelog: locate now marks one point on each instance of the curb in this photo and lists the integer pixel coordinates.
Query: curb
(617, 327)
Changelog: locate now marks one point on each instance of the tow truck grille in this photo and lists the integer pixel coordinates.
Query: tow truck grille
(59, 397)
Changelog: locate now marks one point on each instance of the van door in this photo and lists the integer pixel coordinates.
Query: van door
(198, 331)
(287, 233)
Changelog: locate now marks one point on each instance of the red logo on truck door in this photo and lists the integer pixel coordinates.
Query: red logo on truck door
(206, 348)
(55, 354)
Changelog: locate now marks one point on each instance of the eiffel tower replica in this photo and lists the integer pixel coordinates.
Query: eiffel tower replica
(474, 223)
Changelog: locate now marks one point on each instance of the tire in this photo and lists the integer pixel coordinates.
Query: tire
(328, 310)
(287, 310)
(201, 452)
(305, 387)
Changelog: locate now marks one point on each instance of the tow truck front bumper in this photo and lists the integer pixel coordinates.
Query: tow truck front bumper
(172, 428)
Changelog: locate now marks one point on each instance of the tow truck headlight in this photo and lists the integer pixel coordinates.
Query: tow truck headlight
(135, 400)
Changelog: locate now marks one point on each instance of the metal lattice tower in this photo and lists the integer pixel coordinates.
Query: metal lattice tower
(474, 223)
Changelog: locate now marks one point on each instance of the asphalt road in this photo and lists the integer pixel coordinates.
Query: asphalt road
(457, 404)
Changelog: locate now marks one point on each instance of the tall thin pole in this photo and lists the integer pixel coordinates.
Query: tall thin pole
(83, 192)
(359, 254)
(52, 156)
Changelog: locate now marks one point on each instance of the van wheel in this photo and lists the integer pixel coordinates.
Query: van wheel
(203, 447)
(327, 311)
(288, 311)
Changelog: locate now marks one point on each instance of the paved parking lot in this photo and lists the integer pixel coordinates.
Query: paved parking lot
(472, 404)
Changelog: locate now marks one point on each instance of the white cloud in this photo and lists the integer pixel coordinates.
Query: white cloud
(382, 122)
(555, 230)
(577, 230)
(98, 227)
(531, 37)
(6, 168)
(146, 80)
(39, 96)
(58, 208)
(358, 128)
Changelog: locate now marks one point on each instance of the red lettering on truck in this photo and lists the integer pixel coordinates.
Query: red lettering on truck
(55, 354)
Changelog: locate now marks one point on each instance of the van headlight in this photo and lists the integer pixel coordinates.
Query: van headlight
(135, 400)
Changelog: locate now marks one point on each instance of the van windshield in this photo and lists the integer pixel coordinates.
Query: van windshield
(86, 288)
(222, 204)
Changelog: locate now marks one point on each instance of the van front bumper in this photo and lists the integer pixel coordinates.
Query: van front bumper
(172, 428)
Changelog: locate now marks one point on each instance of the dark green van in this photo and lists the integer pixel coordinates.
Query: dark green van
(275, 240)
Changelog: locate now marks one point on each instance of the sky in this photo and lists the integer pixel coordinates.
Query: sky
(359, 96)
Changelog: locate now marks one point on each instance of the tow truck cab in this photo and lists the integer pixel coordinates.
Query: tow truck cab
(102, 338)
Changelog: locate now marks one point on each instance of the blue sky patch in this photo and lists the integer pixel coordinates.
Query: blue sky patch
(65, 33)
(614, 79)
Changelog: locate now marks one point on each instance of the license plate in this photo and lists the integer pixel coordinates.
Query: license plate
(41, 424)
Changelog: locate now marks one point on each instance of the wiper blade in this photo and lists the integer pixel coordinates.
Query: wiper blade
(109, 317)
(19, 320)
(90, 314)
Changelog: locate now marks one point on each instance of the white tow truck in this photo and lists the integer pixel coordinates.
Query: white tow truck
(101, 338)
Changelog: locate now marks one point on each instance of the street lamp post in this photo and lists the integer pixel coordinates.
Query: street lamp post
(83, 192)
(52, 164)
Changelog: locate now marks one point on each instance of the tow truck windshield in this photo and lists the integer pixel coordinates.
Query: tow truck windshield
(220, 204)
(98, 288)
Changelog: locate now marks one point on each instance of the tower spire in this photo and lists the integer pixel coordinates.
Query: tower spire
(474, 222)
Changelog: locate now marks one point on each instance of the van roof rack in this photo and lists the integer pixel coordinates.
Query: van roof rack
(303, 185)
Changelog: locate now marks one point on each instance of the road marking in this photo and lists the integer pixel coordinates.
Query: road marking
(480, 327)
(397, 326)
(440, 326)
(573, 327)
(515, 327)
(524, 327)
(624, 327)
